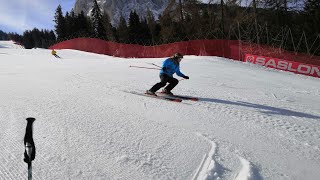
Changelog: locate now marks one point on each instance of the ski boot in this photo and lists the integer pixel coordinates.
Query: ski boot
(148, 92)
(165, 91)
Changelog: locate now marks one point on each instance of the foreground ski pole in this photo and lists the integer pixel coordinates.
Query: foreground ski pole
(30, 149)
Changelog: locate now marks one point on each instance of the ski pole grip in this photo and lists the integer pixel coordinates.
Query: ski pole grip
(30, 149)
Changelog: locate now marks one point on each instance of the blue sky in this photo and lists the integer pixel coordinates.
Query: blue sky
(20, 15)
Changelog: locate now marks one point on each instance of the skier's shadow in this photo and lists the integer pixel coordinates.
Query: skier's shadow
(264, 108)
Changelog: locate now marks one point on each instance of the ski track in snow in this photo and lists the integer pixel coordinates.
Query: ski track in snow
(207, 168)
(210, 169)
(245, 172)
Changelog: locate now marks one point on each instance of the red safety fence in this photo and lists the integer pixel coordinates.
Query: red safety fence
(223, 48)
(232, 49)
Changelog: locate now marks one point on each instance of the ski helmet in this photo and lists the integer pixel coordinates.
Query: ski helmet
(178, 56)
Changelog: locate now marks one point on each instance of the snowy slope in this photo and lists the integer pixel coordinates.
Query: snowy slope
(10, 45)
(250, 122)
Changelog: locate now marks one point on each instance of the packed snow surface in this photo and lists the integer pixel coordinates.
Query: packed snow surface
(250, 123)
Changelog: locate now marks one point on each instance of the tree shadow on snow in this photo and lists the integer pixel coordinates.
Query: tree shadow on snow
(264, 108)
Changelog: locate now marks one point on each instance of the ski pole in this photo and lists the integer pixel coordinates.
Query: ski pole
(30, 149)
(144, 67)
(29, 152)
(155, 65)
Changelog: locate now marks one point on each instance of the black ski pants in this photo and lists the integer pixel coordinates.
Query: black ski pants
(164, 80)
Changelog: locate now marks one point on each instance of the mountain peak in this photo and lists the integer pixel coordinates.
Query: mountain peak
(118, 8)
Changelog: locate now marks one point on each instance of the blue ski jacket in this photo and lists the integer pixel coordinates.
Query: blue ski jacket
(169, 67)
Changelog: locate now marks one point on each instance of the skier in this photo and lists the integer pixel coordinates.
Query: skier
(169, 67)
(54, 53)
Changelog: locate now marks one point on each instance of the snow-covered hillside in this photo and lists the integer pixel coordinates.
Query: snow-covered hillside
(250, 122)
(10, 45)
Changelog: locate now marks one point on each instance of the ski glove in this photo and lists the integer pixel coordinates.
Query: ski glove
(186, 77)
(164, 69)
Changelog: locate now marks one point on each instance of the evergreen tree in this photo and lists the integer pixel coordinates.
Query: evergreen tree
(51, 38)
(27, 40)
(37, 39)
(68, 25)
(96, 14)
(205, 24)
(108, 27)
(71, 24)
(15, 37)
(3, 36)
(312, 13)
(134, 27)
(193, 19)
(153, 27)
(222, 23)
(123, 31)
(145, 34)
(73, 17)
(36, 36)
(280, 8)
(312, 25)
(84, 25)
(167, 29)
(60, 24)
(157, 35)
